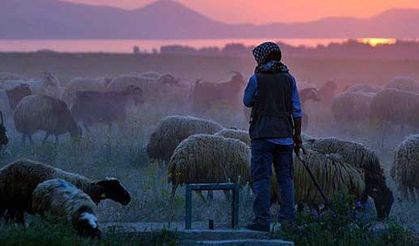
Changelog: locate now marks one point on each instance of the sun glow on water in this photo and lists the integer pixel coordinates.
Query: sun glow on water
(378, 41)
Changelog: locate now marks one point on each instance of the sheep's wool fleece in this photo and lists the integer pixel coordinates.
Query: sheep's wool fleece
(173, 129)
(210, 159)
(235, 134)
(352, 153)
(58, 198)
(405, 170)
(331, 172)
(20, 178)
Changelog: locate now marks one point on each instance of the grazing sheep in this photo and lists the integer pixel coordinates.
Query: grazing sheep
(172, 130)
(83, 84)
(19, 179)
(205, 158)
(4, 140)
(91, 107)
(235, 134)
(207, 94)
(404, 83)
(352, 108)
(37, 112)
(363, 88)
(335, 176)
(392, 106)
(359, 156)
(405, 170)
(332, 173)
(60, 199)
(153, 86)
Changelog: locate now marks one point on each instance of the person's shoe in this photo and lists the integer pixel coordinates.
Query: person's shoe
(258, 227)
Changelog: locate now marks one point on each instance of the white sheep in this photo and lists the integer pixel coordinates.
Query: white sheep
(335, 176)
(235, 134)
(392, 106)
(172, 130)
(357, 155)
(352, 108)
(203, 158)
(405, 170)
(404, 83)
(18, 180)
(58, 198)
(363, 88)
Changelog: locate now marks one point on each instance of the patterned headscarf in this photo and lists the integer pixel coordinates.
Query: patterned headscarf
(262, 52)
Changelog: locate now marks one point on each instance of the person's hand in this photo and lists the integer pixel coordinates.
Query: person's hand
(298, 144)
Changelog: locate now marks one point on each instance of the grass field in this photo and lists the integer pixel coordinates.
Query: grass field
(121, 152)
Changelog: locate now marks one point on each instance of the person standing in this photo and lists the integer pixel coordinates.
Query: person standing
(275, 131)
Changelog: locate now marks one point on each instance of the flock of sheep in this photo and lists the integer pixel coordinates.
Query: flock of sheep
(196, 150)
(202, 151)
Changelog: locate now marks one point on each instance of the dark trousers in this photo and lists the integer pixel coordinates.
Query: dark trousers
(264, 154)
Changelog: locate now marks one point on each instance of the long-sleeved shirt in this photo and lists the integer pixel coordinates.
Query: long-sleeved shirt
(250, 98)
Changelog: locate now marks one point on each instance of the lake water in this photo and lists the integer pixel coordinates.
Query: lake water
(126, 46)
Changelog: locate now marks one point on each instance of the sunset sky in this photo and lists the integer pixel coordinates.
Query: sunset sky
(263, 11)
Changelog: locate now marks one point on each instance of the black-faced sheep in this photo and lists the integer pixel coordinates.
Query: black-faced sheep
(42, 113)
(19, 179)
(359, 156)
(405, 170)
(205, 158)
(58, 198)
(172, 130)
(92, 107)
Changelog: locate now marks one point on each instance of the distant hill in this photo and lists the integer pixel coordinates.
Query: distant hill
(166, 19)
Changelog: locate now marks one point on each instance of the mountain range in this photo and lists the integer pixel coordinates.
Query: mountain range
(167, 19)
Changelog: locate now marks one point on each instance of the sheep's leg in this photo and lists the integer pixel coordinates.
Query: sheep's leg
(86, 126)
(24, 138)
(20, 217)
(30, 139)
(172, 204)
(46, 137)
(56, 139)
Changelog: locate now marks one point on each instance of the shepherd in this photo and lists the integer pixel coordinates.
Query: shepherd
(275, 131)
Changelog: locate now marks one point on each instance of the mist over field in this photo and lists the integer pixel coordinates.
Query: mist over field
(93, 111)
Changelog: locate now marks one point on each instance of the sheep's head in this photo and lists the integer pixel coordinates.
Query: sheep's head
(111, 188)
(310, 94)
(49, 79)
(375, 187)
(238, 78)
(87, 225)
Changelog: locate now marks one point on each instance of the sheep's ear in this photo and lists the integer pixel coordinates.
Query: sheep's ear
(103, 195)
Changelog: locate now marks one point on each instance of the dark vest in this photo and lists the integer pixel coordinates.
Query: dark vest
(271, 114)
